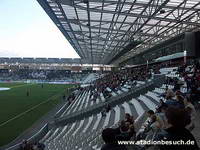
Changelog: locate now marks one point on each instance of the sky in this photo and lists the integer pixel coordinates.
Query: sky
(27, 31)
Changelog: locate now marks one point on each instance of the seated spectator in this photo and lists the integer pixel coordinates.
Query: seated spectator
(125, 131)
(35, 146)
(191, 111)
(177, 119)
(107, 94)
(41, 146)
(155, 119)
(161, 102)
(103, 112)
(95, 95)
(165, 93)
(25, 145)
(177, 102)
(169, 94)
(190, 126)
(108, 108)
(129, 118)
(187, 103)
(161, 113)
(178, 92)
(133, 84)
(180, 100)
(108, 136)
(154, 123)
(177, 85)
(188, 81)
(166, 88)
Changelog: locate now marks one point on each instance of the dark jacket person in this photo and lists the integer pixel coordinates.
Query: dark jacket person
(177, 134)
(108, 136)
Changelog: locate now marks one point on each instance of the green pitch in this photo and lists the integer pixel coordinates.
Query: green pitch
(19, 111)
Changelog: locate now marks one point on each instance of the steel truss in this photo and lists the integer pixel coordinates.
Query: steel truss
(99, 29)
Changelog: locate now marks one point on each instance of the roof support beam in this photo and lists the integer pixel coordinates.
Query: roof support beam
(67, 2)
(137, 15)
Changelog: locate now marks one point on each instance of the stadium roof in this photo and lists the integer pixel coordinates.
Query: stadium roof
(111, 31)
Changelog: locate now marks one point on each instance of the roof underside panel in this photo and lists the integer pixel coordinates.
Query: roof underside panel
(100, 30)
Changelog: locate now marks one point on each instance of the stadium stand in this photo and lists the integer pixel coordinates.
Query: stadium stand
(101, 90)
(89, 137)
(149, 90)
(90, 78)
(85, 132)
(42, 75)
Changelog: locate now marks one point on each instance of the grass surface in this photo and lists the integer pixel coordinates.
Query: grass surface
(19, 111)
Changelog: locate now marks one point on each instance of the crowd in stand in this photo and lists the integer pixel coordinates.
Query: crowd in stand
(48, 75)
(113, 82)
(173, 120)
(25, 145)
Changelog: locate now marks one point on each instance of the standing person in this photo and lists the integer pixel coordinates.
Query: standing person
(27, 93)
(108, 108)
(64, 97)
(103, 112)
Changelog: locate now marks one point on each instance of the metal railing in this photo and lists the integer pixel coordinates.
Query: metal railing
(35, 138)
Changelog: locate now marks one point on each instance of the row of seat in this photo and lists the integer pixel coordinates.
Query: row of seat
(85, 133)
(169, 69)
(83, 100)
(90, 78)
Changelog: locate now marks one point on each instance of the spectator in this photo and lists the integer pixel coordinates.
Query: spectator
(108, 108)
(180, 101)
(188, 81)
(25, 145)
(165, 93)
(129, 118)
(103, 112)
(191, 111)
(125, 131)
(64, 97)
(155, 119)
(161, 114)
(169, 94)
(177, 119)
(35, 146)
(177, 85)
(108, 136)
(40, 146)
(177, 102)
